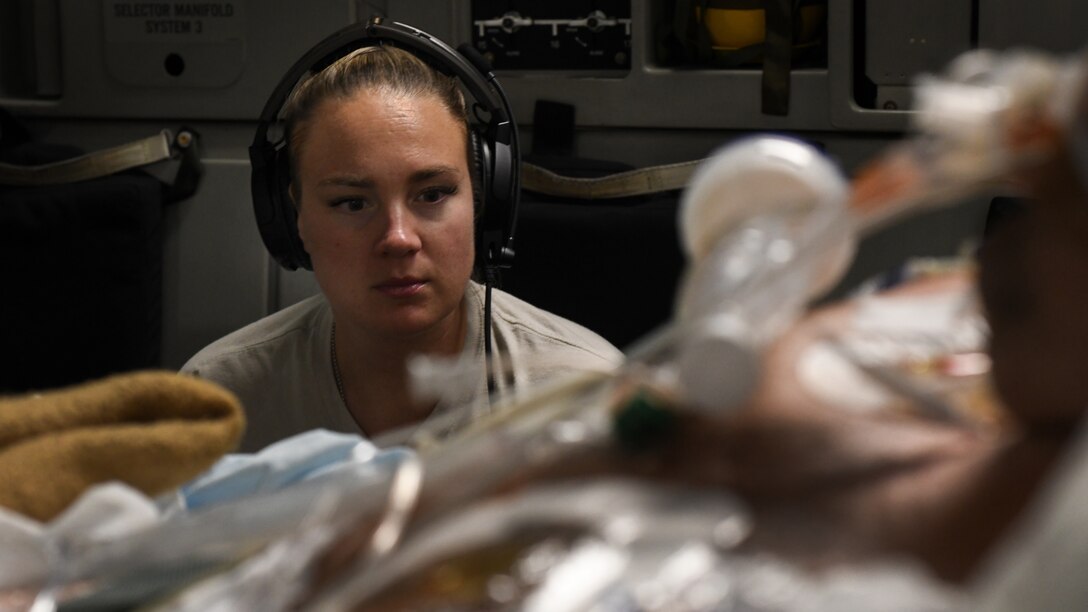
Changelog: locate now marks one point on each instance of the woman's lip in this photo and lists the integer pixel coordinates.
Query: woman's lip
(401, 287)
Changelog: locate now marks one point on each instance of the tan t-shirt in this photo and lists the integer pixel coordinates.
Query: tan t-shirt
(280, 367)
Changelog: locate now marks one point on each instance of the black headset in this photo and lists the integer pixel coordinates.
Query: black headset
(493, 142)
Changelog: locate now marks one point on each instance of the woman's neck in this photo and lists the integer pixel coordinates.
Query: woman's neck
(373, 376)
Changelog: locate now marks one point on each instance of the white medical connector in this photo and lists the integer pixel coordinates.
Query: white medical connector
(433, 378)
(762, 176)
(764, 226)
(967, 110)
(982, 120)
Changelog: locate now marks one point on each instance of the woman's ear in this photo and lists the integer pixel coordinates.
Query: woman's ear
(292, 192)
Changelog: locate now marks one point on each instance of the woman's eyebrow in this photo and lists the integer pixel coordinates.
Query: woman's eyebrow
(346, 181)
(427, 174)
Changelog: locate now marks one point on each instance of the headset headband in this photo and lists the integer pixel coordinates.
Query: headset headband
(501, 186)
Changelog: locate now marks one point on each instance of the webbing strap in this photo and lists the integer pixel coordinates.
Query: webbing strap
(653, 179)
(92, 165)
(158, 148)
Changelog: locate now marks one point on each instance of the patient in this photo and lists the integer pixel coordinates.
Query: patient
(828, 484)
(383, 184)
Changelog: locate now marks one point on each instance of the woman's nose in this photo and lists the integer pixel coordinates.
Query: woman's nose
(400, 236)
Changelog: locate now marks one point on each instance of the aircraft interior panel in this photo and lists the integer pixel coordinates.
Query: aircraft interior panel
(100, 73)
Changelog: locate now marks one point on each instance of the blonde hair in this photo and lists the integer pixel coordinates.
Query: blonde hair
(384, 68)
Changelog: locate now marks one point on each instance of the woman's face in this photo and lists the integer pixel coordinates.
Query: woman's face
(1034, 282)
(386, 211)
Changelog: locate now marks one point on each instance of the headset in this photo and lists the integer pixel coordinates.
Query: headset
(493, 142)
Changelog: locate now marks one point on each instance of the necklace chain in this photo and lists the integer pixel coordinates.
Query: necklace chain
(336, 367)
(340, 384)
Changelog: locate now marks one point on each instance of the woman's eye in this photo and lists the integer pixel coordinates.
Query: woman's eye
(350, 204)
(435, 195)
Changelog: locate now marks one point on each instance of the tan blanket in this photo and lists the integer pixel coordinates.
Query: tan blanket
(152, 430)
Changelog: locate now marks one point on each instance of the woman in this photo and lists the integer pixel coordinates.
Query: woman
(382, 184)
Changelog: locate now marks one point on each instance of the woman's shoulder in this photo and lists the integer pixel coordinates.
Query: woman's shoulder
(294, 324)
(539, 327)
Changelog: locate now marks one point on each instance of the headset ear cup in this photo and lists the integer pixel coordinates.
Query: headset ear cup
(476, 159)
(275, 216)
(283, 240)
(481, 172)
(294, 251)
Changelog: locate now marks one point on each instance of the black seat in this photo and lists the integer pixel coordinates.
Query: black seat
(610, 265)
